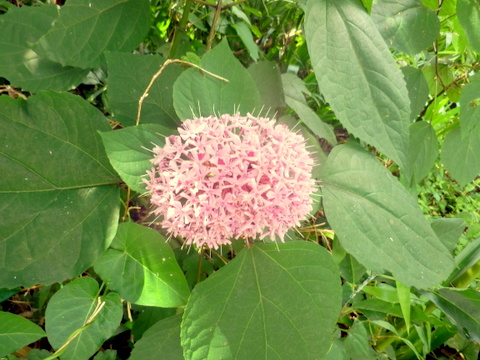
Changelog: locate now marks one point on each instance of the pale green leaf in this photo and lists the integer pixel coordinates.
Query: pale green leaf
(406, 25)
(468, 13)
(142, 268)
(118, 25)
(358, 76)
(17, 332)
(372, 213)
(448, 230)
(403, 293)
(244, 32)
(58, 195)
(470, 108)
(202, 94)
(68, 311)
(268, 80)
(273, 301)
(357, 342)
(417, 90)
(130, 151)
(162, 340)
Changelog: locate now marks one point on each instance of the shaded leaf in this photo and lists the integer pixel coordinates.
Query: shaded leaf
(68, 311)
(351, 270)
(460, 154)
(141, 267)
(417, 90)
(468, 13)
(59, 198)
(272, 301)
(448, 231)
(358, 76)
(202, 94)
(162, 340)
(470, 108)
(128, 78)
(244, 32)
(462, 308)
(357, 342)
(406, 25)
(129, 151)
(17, 332)
(268, 80)
(467, 258)
(118, 25)
(20, 27)
(372, 213)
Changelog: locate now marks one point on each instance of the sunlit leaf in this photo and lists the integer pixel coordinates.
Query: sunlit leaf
(69, 310)
(272, 301)
(372, 213)
(470, 108)
(468, 13)
(17, 332)
(357, 75)
(118, 25)
(142, 268)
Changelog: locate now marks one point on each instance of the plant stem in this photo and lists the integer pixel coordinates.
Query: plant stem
(181, 27)
(216, 16)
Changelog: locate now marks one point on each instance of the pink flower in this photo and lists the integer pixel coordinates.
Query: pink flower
(231, 177)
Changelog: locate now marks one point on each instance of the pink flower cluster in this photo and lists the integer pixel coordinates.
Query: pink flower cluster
(231, 177)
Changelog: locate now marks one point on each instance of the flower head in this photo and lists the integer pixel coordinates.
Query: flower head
(231, 177)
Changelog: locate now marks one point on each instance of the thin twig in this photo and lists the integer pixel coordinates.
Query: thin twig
(216, 16)
(159, 72)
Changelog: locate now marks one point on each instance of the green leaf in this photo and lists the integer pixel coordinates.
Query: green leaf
(422, 151)
(462, 307)
(372, 213)
(272, 301)
(200, 93)
(470, 108)
(351, 270)
(294, 88)
(358, 76)
(403, 293)
(68, 311)
(460, 154)
(162, 340)
(417, 90)
(59, 201)
(128, 78)
(267, 77)
(357, 342)
(141, 267)
(118, 25)
(243, 31)
(17, 332)
(406, 25)
(468, 13)
(20, 27)
(467, 258)
(448, 231)
(129, 151)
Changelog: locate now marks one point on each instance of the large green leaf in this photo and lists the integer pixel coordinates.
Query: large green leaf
(406, 25)
(460, 154)
(468, 13)
(199, 93)
(357, 74)
(162, 340)
(87, 28)
(69, 310)
(373, 214)
(273, 301)
(58, 194)
(16, 332)
(20, 27)
(448, 231)
(141, 267)
(470, 107)
(462, 308)
(128, 78)
(417, 90)
(267, 77)
(129, 151)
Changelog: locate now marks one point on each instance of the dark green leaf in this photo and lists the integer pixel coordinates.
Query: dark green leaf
(358, 76)
(406, 25)
(141, 267)
(460, 154)
(162, 340)
(244, 32)
(470, 108)
(17, 332)
(68, 311)
(268, 79)
(462, 308)
(357, 342)
(468, 13)
(417, 90)
(272, 301)
(372, 213)
(202, 94)
(118, 25)
(59, 202)
(128, 78)
(448, 231)
(20, 28)
(351, 270)
(129, 151)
